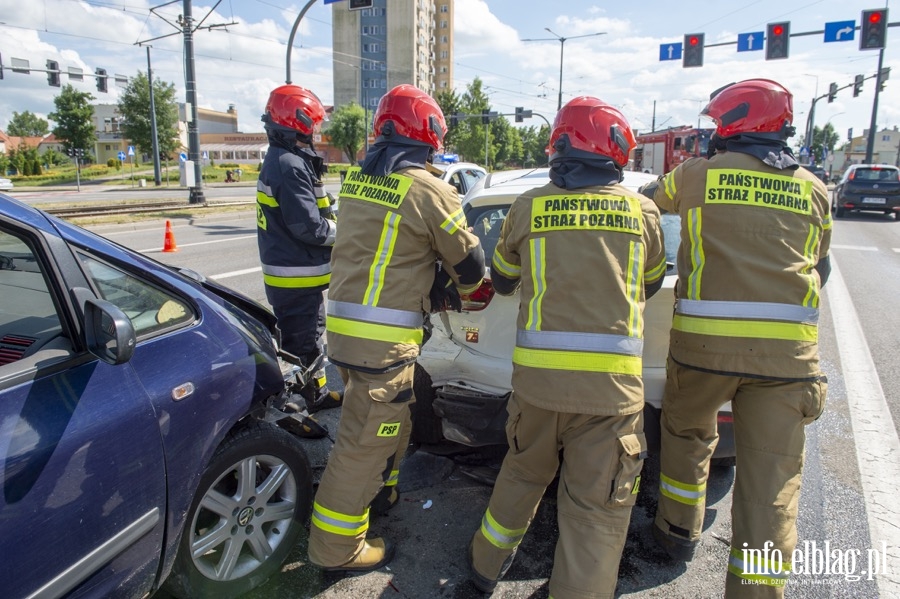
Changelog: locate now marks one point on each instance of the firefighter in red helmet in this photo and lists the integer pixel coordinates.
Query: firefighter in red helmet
(295, 232)
(756, 229)
(576, 380)
(397, 221)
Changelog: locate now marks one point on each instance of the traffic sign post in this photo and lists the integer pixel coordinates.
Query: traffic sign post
(840, 31)
(670, 51)
(751, 42)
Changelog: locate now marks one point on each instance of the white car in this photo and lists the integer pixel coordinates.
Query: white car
(464, 372)
(5, 184)
(461, 175)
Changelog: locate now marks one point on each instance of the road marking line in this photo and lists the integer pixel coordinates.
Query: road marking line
(187, 245)
(896, 250)
(874, 431)
(861, 248)
(236, 273)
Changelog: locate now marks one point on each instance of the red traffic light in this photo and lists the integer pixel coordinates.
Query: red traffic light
(777, 30)
(694, 40)
(875, 17)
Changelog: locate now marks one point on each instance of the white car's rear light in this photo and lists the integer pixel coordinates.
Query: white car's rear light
(480, 298)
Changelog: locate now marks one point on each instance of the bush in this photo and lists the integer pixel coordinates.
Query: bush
(36, 168)
(229, 165)
(335, 168)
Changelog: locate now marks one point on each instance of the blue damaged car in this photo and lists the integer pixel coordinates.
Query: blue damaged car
(141, 444)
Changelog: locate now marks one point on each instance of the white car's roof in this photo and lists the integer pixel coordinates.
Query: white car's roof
(505, 186)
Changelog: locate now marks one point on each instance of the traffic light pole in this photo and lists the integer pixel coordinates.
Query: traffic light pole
(196, 193)
(154, 136)
(870, 143)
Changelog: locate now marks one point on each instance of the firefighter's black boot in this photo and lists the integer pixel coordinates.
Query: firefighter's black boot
(386, 499)
(325, 401)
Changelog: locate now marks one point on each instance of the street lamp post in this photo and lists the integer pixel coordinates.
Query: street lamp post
(562, 43)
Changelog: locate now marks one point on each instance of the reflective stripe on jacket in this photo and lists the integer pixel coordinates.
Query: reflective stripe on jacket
(393, 228)
(582, 259)
(748, 290)
(293, 233)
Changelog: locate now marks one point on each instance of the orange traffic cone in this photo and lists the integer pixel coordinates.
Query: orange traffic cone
(169, 241)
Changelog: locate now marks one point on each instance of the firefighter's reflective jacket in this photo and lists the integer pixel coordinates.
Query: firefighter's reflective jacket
(582, 259)
(769, 226)
(393, 228)
(295, 227)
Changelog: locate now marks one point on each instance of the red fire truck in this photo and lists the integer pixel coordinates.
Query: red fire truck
(661, 151)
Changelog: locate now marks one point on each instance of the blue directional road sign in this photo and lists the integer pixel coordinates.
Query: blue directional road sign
(840, 31)
(182, 157)
(121, 155)
(670, 51)
(750, 42)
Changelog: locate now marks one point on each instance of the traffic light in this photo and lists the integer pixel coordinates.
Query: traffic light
(832, 92)
(778, 37)
(358, 4)
(522, 114)
(883, 76)
(692, 55)
(857, 85)
(454, 121)
(485, 117)
(873, 30)
(53, 73)
(1, 66)
(101, 80)
(850, 134)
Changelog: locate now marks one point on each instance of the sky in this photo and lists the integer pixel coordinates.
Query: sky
(243, 56)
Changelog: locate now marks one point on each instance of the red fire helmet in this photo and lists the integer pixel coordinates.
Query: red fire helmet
(595, 127)
(296, 108)
(751, 106)
(414, 115)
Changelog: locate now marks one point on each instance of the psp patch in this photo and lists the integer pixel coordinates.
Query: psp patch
(389, 429)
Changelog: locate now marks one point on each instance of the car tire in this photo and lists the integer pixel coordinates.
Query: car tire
(426, 425)
(839, 212)
(264, 516)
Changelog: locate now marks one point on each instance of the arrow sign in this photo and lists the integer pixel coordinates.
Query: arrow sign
(122, 156)
(182, 157)
(750, 42)
(670, 51)
(840, 31)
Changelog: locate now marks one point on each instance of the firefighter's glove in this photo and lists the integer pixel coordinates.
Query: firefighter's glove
(444, 295)
(649, 189)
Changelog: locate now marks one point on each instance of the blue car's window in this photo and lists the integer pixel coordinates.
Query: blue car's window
(149, 308)
(28, 316)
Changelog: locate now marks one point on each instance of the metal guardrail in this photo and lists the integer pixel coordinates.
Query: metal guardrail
(137, 208)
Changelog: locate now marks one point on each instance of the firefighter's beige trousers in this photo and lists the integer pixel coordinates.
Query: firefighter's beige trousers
(598, 484)
(372, 437)
(769, 421)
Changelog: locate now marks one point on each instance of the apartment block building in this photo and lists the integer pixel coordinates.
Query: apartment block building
(393, 42)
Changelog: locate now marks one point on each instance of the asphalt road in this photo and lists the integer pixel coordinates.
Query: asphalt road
(837, 502)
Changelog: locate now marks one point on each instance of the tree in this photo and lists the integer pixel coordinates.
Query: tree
(823, 139)
(509, 150)
(27, 124)
(347, 129)
(470, 142)
(74, 118)
(450, 104)
(134, 106)
(534, 141)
